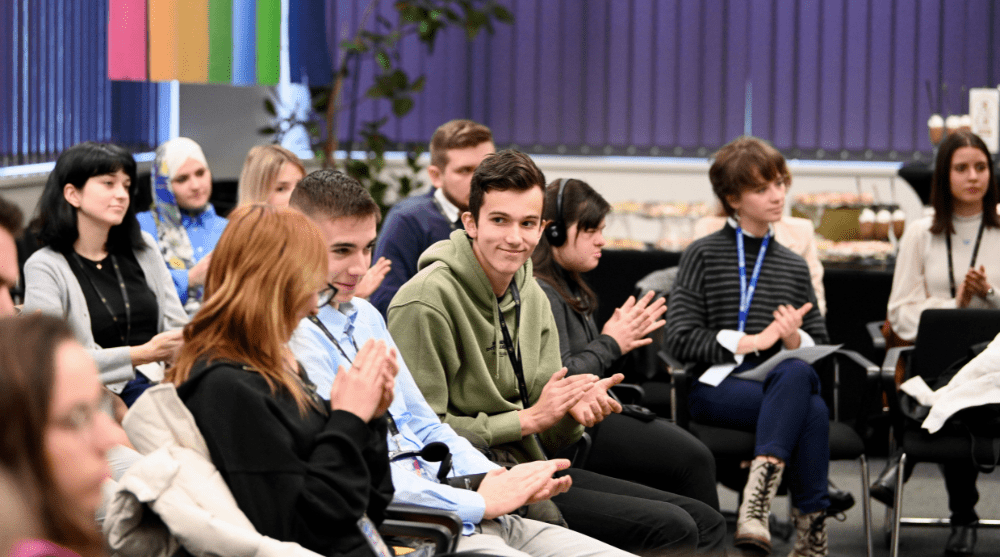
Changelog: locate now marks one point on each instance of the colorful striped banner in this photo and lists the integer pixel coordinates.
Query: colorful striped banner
(202, 41)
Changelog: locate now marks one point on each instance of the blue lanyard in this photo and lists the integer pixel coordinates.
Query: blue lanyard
(746, 292)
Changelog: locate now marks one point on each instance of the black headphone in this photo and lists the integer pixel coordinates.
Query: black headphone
(556, 231)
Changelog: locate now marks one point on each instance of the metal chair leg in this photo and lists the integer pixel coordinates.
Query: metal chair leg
(866, 503)
(898, 507)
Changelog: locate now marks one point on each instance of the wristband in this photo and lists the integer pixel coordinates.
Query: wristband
(753, 341)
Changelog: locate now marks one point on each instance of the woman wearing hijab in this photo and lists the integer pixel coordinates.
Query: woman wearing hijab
(181, 218)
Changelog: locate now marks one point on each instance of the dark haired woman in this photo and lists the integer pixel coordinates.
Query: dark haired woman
(55, 436)
(738, 299)
(99, 271)
(302, 469)
(948, 261)
(655, 453)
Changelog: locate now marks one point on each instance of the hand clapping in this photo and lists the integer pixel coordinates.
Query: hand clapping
(366, 389)
(634, 320)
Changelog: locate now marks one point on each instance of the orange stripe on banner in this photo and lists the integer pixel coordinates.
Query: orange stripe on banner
(163, 52)
(192, 41)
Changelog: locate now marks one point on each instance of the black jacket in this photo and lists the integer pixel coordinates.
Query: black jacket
(584, 349)
(306, 479)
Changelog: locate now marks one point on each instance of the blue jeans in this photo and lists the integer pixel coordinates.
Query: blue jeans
(789, 417)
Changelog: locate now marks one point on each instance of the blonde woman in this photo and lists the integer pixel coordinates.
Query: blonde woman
(269, 176)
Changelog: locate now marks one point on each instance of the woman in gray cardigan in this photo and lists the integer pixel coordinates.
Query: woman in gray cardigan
(653, 452)
(99, 271)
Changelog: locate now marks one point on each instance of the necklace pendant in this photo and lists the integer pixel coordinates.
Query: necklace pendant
(99, 266)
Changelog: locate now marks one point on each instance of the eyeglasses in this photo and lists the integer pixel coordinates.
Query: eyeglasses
(326, 295)
(83, 416)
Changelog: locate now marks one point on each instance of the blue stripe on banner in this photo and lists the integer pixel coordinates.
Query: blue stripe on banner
(163, 113)
(296, 24)
(309, 59)
(244, 42)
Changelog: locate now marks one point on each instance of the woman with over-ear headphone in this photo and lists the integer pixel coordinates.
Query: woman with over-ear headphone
(650, 451)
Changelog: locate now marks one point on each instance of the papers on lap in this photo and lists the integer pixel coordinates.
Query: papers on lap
(715, 374)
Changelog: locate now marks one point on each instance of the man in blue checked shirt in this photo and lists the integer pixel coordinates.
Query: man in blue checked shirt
(347, 216)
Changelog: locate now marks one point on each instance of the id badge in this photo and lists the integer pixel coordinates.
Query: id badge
(371, 535)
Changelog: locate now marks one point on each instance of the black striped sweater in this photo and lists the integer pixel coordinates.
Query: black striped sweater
(705, 297)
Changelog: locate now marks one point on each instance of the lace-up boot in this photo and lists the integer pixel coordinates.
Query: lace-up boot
(810, 538)
(752, 530)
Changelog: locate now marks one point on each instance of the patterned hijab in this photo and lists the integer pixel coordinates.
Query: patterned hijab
(173, 238)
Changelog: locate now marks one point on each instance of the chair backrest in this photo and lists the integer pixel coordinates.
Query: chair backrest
(945, 335)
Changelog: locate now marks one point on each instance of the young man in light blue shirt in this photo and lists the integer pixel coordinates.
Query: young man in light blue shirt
(347, 217)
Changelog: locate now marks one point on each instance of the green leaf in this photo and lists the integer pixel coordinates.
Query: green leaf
(383, 60)
(353, 46)
(320, 100)
(267, 130)
(401, 106)
(399, 79)
(357, 169)
(376, 91)
(502, 14)
(376, 143)
(418, 84)
(269, 107)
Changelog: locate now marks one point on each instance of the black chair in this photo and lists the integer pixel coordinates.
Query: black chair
(439, 529)
(943, 337)
(731, 447)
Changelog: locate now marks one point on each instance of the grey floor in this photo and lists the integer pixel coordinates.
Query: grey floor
(924, 495)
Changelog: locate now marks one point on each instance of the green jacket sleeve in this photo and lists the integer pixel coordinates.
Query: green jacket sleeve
(567, 430)
(426, 340)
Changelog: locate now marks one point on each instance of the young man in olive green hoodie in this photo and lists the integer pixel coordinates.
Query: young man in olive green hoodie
(473, 323)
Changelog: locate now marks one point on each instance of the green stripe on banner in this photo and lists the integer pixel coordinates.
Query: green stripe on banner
(220, 41)
(268, 40)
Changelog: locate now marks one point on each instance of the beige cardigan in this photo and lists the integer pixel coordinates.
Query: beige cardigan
(177, 481)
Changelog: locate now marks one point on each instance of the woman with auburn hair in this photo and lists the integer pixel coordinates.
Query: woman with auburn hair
(100, 272)
(301, 468)
(269, 175)
(56, 435)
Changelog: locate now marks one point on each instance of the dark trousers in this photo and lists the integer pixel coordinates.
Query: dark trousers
(789, 417)
(640, 519)
(960, 481)
(657, 454)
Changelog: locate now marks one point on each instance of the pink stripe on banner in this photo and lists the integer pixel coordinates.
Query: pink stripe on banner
(127, 40)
